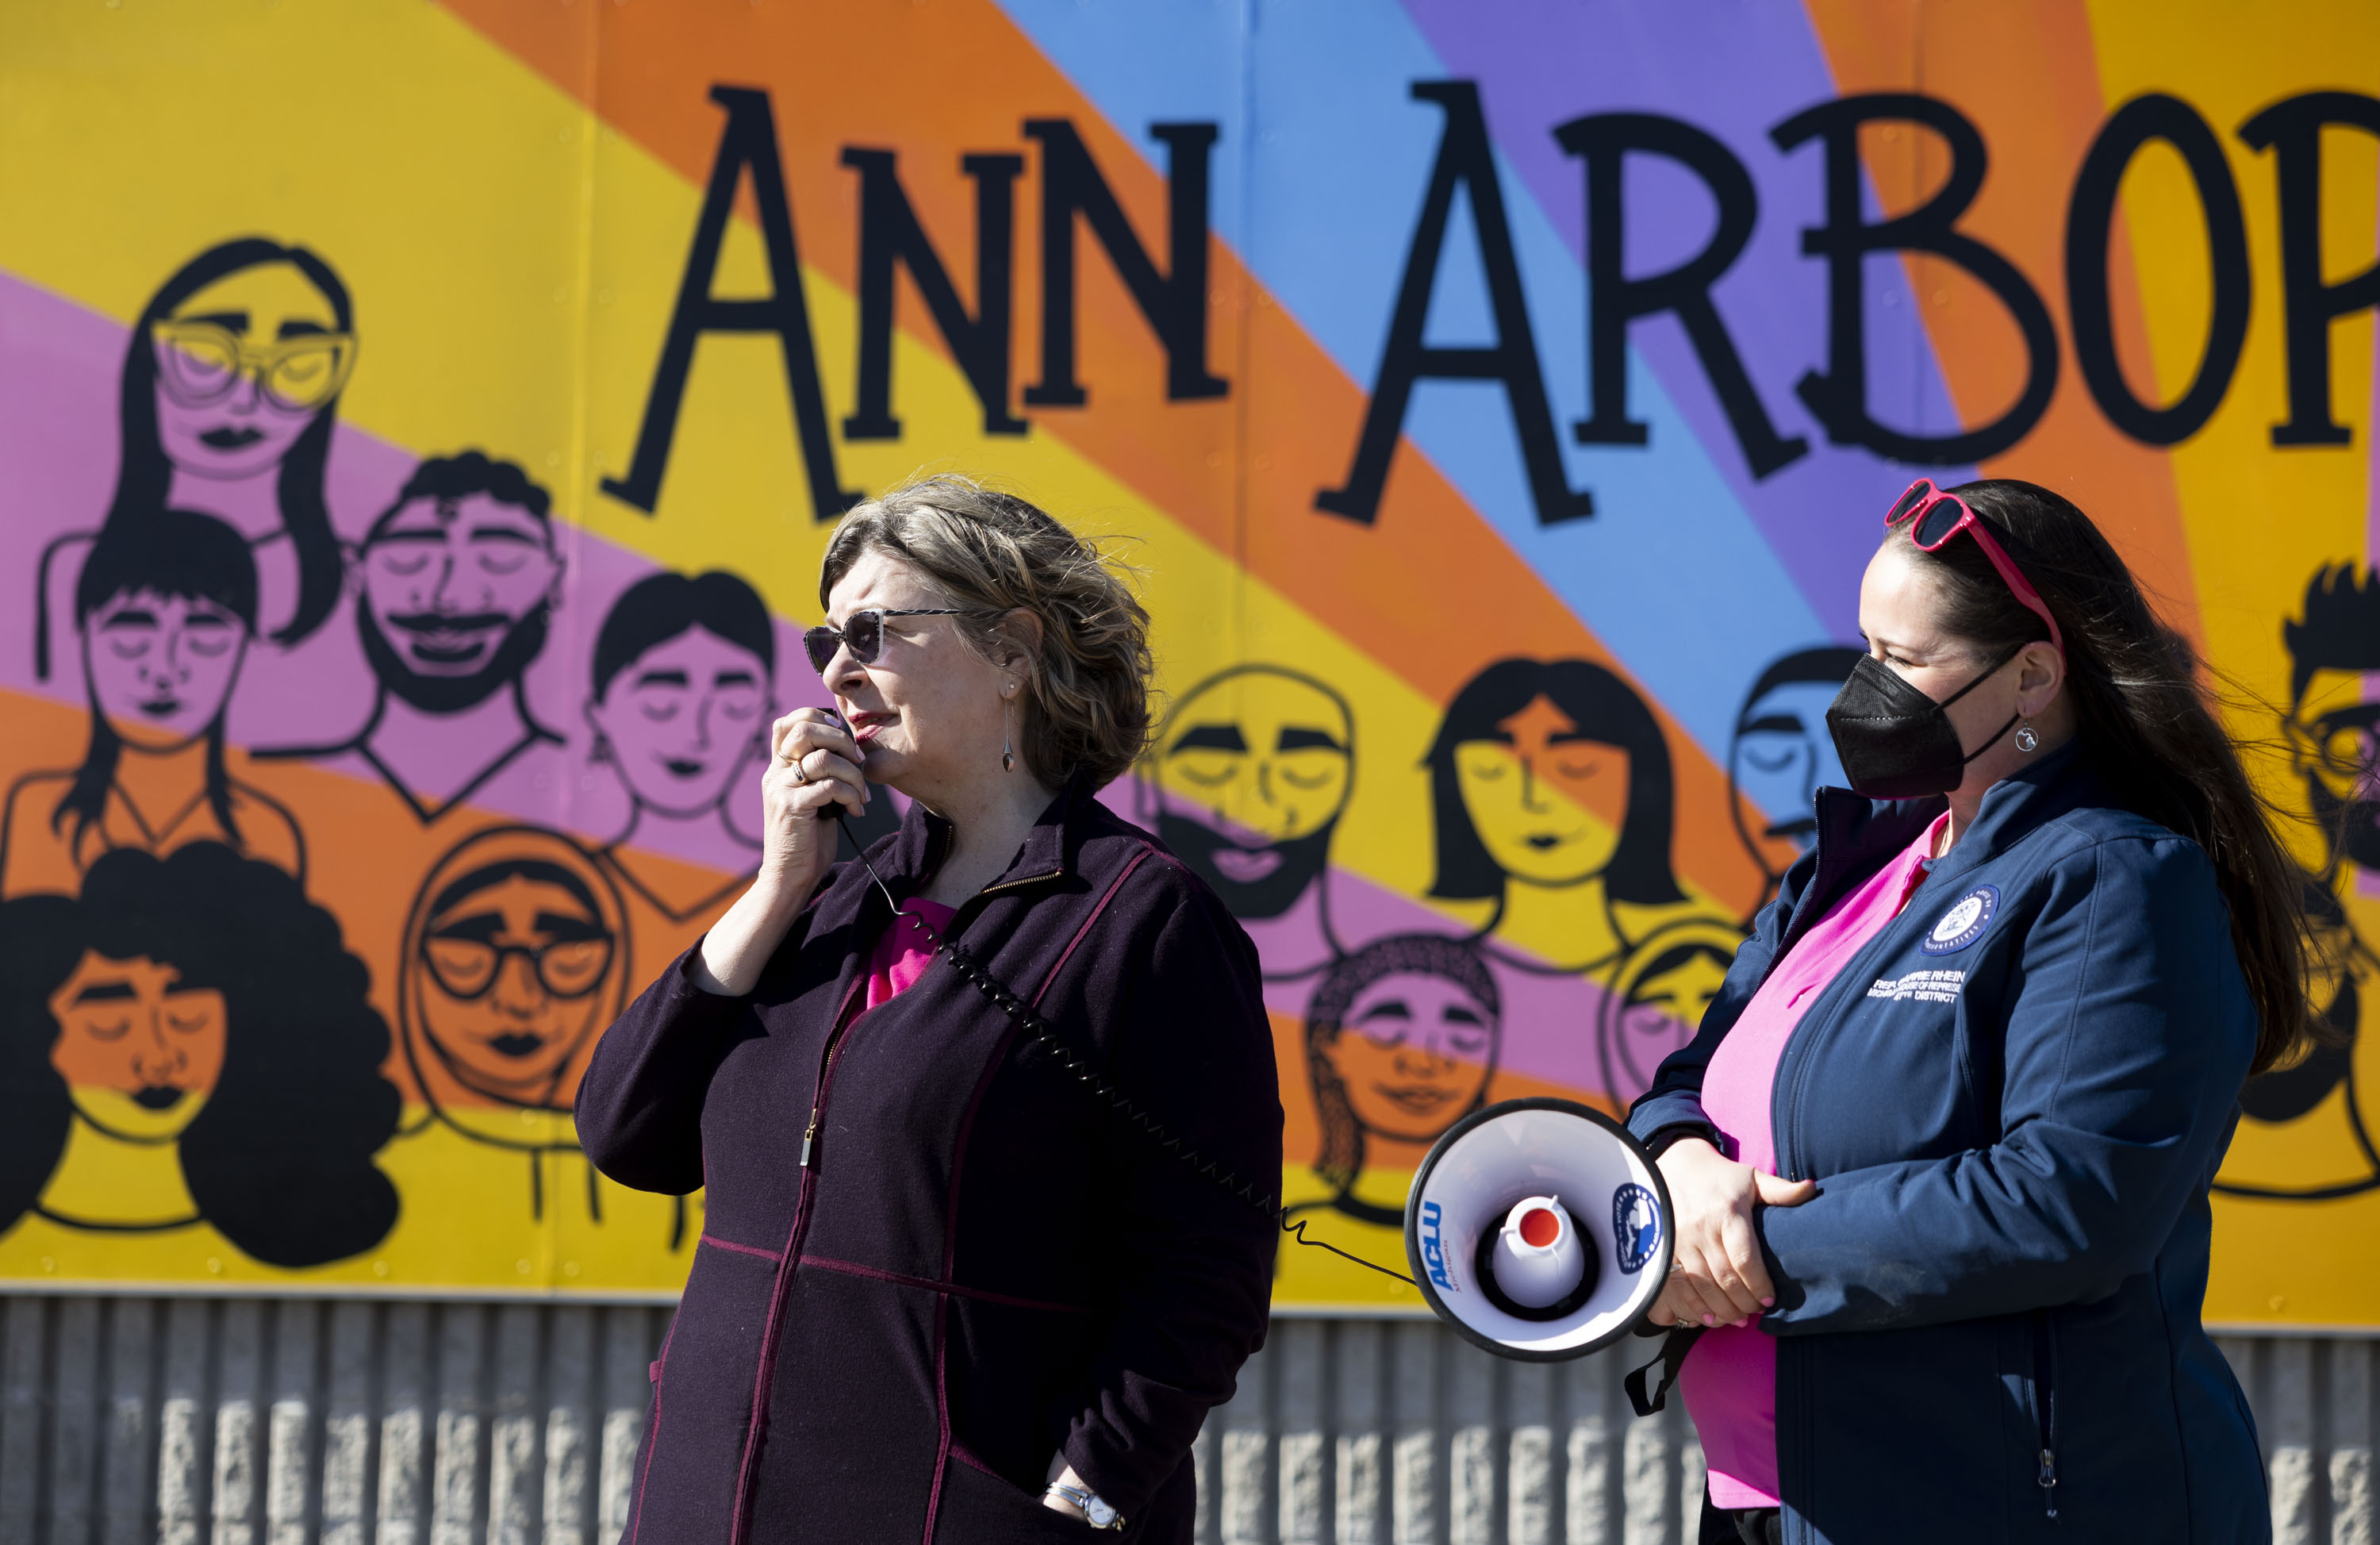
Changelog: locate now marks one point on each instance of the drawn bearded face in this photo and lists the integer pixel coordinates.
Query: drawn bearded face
(1252, 776)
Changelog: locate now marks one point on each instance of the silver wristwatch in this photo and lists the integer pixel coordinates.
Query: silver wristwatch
(1096, 1513)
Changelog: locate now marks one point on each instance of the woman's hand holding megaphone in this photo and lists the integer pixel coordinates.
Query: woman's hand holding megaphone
(1717, 1275)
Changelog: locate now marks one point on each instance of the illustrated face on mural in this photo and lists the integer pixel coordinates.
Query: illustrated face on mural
(160, 667)
(1414, 1050)
(456, 593)
(139, 1052)
(1547, 800)
(1253, 773)
(2335, 744)
(510, 973)
(1657, 997)
(1781, 755)
(1676, 992)
(2331, 722)
(243, 367)
(681, 719)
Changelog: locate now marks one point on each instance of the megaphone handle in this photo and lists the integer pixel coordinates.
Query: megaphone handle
(1045, 1036)
(1672, 1357)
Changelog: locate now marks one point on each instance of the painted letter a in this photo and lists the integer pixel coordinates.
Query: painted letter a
(748, 140)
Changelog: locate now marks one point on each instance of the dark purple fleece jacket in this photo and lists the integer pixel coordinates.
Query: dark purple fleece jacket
(980, 1263)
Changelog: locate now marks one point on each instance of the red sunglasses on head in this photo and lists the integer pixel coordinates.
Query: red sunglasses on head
(1940, 517)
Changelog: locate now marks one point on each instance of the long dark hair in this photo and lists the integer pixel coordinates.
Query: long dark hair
(2146, 723)
(175, 554)
(280, 1159)
(1604, 709)
(144, 477)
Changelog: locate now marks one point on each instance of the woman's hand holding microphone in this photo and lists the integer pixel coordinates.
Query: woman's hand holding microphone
(1717, 1275)
(814, 766)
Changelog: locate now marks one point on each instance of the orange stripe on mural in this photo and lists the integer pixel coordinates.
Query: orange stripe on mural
(1390, 589)
(2024, 72)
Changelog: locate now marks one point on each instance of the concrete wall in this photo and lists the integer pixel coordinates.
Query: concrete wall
(252, 1421)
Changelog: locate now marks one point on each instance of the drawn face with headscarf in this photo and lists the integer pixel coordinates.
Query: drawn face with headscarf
(515, 962)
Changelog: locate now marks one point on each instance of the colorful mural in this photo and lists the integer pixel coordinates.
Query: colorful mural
(421, 423)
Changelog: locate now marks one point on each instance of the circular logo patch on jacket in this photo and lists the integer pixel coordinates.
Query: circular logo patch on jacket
(1965, 924)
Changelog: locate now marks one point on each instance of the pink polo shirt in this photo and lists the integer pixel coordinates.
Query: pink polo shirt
(1730, 1378)
(904, 952)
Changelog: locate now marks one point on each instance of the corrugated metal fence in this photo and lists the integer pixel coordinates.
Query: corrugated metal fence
(253, 1421)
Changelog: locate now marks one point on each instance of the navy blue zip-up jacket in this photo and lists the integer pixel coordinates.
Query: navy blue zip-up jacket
(890, 1328)
(2013, 1100)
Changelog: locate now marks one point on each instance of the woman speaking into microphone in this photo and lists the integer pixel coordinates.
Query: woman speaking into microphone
(971, 1111)
(1939, 1155)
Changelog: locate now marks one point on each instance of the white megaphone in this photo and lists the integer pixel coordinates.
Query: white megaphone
(1538, 1229)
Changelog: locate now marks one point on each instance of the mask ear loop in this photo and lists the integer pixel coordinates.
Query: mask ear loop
(1988, 672)
(1043, 1036)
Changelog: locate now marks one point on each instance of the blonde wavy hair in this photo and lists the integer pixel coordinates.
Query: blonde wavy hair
(1086, 692)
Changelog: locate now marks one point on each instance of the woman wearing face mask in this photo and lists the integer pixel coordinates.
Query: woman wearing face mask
(945, 1290)
(1940, 1151)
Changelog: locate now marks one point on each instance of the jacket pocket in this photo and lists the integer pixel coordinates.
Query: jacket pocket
(976, 1506)
(701, 1422)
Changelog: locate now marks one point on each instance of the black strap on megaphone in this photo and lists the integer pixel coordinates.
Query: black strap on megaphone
(1044, 1035)
(1674, 1347)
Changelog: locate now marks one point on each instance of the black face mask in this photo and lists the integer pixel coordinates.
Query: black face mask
(1897, 743)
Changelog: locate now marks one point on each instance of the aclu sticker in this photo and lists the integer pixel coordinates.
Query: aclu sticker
(1433, 1248)
(1965, 924)
(1635, 1226)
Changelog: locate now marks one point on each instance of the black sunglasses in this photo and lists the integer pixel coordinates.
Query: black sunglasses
(863, 634)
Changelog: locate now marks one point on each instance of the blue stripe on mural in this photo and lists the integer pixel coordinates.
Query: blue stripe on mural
(1674, 576)
(1734, 71)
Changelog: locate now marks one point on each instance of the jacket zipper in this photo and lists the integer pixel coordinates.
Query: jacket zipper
(812, 1158)
(2044, 1408)
(748, 1474)
(1801, 1050)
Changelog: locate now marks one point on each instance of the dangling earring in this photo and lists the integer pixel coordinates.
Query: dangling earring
(2025, 739)
(600, 754)
(1007, 750)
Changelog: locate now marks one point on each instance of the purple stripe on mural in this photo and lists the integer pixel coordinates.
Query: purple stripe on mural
(1741, 69)
(59, 371)
(1551, 1021)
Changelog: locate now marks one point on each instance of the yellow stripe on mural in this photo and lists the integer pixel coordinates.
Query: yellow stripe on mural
(2260, 521)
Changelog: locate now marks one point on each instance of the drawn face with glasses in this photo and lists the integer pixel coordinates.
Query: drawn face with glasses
(2335, 742)
(511, 965)
(243, 368)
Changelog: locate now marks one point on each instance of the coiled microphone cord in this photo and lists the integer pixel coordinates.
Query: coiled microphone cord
(1045, 1036)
